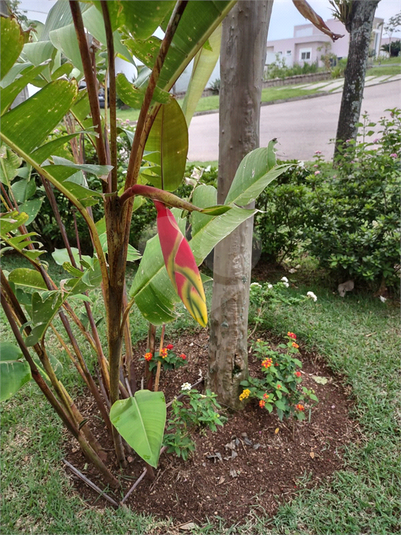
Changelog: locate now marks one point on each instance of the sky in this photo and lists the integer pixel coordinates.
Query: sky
(284, 16)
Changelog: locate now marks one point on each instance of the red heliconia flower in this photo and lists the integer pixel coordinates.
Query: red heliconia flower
(180, 264)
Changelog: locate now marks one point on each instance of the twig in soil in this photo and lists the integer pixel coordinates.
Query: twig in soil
(131, 490)
(145, 471)
(90, 484)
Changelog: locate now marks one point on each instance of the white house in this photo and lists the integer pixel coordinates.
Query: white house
(308, 43)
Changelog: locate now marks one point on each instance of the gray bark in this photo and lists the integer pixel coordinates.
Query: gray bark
(359, 25)
(242, 62)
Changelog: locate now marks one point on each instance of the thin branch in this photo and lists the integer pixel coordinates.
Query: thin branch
(90, 484)
(134, 486)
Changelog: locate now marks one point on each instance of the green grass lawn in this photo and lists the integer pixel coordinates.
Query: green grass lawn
(358, 336)
(383, 70)
(212, 103)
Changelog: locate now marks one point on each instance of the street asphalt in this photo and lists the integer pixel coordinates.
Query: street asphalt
(301, 127)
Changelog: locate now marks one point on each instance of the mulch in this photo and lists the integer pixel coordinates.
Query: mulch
(250, 466)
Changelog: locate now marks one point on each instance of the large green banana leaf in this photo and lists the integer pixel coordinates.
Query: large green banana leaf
(140, 420)
(12, 42)
(168, 146)
(254, 173)
(198, 22)
(204, 63)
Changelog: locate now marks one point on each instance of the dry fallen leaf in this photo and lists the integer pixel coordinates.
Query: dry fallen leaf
(320, 380)
(312, 454)
(188, 526)
(276, 430)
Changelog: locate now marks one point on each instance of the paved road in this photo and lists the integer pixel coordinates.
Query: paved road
(301, 127)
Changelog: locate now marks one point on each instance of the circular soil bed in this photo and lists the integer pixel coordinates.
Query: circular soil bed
(253, 462)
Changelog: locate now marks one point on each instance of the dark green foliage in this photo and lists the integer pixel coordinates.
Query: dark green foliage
(279, 224)
(353, 214)
(279, 69)
(394, 49)
(347, 217)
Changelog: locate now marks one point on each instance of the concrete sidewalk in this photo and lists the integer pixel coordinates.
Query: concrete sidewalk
(335, 86)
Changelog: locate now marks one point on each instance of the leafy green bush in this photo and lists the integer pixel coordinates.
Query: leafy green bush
(279, 69)
(394, 49)
(280, 223)
(353, 212)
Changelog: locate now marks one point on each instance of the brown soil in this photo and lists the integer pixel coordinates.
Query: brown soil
(271, 459)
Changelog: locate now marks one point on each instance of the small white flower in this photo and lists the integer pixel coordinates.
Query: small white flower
(286, 284)
(382, 299)
(301, 163)
(284, 279)
(292, 270)
(256, 284)
(312, 296)
(186, 386)
(269, 286)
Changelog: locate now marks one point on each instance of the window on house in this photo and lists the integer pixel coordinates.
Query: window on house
(305, 55)
(288, 52)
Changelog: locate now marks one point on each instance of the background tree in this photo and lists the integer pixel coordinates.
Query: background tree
(241, 72)
(392, 25)
(357, 16)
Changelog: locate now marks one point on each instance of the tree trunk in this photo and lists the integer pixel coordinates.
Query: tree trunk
(359, 26)
(242, 62)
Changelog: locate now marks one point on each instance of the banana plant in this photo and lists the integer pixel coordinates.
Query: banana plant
(58, 60)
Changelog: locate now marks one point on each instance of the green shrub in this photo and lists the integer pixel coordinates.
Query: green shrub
(279, 69)
(279, 224)
(353, 213)
(394, 49)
